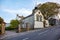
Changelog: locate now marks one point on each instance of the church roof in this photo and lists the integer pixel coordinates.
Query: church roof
(27, 16)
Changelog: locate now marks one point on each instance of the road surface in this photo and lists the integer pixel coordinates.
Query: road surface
(51, 33)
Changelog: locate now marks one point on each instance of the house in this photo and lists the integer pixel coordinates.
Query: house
(55, 19)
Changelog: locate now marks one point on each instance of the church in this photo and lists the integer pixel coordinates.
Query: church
(36, 20)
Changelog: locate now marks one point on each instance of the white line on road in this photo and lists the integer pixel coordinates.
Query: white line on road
(25, 38)
(46, 31)
(43, 32)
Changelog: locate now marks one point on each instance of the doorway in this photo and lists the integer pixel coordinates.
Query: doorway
(52, 21)
(27, 26)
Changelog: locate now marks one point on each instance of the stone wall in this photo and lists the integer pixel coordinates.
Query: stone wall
(2, 28)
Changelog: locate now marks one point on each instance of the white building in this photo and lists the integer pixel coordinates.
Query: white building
(55, 18)
(35, 20)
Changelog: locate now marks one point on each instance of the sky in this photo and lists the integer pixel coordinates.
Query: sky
(9, 8)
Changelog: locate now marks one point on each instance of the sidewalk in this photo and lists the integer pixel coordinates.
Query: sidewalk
(8, 33)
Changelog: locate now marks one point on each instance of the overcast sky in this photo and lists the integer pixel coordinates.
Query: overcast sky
(9, 8)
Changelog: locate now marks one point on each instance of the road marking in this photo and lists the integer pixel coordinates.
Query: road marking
(46, 31)
(43, 32)
(25, 38)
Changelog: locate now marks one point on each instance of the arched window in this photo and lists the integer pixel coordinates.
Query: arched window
(39, 12)
(40, 18)
(37, 17)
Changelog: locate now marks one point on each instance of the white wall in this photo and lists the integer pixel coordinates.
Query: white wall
(38, 24)
(32, 21)
(29, 20)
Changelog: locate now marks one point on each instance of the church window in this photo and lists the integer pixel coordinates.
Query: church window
(40, 18)
(37, 17)
(39, 12)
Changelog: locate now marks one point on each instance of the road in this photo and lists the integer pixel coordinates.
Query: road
(51, 33)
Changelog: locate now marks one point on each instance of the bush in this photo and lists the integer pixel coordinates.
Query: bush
(9, 28)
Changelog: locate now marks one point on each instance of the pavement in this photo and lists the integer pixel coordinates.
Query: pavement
(8, 33)
(51, 33)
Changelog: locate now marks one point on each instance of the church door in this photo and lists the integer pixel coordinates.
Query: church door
(27, 26)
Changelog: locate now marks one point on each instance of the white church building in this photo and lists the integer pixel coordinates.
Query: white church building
(35, 20)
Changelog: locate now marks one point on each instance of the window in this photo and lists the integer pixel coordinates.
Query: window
(39, 12)
(40, 18)
(37, 17)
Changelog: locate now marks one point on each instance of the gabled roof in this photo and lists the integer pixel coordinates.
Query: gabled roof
(28, 16)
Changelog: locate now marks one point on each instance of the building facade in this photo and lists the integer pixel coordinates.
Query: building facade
(35, 20)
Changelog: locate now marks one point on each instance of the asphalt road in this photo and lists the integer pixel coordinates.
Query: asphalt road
(51, 33)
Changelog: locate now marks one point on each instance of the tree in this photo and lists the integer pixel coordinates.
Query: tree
(1, 20)
(49, 9)
(14, 23)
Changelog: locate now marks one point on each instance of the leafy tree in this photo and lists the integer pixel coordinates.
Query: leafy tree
(49, 9)
(14, 23)
(1, 20)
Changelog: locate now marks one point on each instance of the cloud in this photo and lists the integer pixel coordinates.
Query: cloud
(12, 13)
(22, 11)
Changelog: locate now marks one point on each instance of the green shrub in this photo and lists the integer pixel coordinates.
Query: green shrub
(9, 28)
